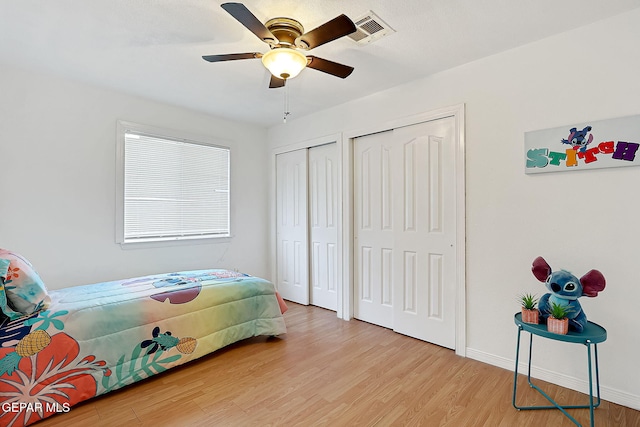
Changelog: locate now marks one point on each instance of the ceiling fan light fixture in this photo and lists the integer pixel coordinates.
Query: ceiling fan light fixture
(284, 63)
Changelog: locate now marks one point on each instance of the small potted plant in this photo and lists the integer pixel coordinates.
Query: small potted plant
(558, 320)
(530, 312)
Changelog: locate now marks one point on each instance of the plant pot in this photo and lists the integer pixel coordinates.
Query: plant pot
(530, 316)
(558, 326)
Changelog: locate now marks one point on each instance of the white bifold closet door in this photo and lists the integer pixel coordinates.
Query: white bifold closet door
(306, 225)
(292, 255)
(404, 230)
(323, 223)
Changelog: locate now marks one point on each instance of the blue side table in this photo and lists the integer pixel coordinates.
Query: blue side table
(590, 337)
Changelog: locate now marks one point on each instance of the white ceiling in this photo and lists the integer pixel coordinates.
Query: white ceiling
(153, 48)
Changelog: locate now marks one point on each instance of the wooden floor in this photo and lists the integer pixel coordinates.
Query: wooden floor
(329, 372)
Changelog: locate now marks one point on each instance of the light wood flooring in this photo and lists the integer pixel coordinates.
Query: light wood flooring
(328, 372)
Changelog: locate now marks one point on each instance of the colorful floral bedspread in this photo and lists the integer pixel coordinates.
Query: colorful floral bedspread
(97, 338)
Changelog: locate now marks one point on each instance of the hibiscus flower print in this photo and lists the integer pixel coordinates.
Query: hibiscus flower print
(12, 273)
(43, 370)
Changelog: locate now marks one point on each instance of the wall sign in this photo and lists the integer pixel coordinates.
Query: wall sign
(591, 145)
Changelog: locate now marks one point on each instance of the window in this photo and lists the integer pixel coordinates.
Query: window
(171, 187)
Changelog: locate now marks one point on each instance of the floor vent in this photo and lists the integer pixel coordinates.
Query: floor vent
(370, 28)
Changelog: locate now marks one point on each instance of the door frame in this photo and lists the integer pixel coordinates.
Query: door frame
(345, 247)
(303, 145)
(346, 307)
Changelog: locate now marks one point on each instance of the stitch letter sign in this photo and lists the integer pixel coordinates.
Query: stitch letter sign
(592, 145)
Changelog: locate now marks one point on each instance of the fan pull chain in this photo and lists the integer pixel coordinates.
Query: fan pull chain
(286, 104)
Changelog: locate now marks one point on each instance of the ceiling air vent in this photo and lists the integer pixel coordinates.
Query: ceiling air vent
(370, 28)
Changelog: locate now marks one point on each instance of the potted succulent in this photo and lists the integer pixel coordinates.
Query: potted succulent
(530, 312)
(558, 320)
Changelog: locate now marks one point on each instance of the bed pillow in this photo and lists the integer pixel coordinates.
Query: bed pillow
(6, 311)
(24, 291)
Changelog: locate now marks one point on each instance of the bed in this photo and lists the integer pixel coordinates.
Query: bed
(84, 341)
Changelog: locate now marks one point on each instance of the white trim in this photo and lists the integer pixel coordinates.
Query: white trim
(456, 111)
(167, 243)
(339, 226)
(440, 113)
(345, 306)
(563, 380)
(327, 139)
(461, 234)
(121, 128)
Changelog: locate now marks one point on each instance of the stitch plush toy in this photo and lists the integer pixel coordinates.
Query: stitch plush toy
(565, 289)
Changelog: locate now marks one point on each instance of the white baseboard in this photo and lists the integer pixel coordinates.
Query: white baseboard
(607, 393)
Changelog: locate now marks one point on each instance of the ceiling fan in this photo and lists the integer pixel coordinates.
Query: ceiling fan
(285, 37)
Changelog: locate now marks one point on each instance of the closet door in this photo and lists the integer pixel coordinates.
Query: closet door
(292, 256)
(373, 229)
(323, 222)
(425, 232)
(404, 230)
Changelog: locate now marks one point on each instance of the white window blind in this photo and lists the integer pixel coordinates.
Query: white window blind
(174, 189)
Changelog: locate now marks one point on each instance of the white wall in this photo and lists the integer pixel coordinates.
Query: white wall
(57, 170)
(576, 220)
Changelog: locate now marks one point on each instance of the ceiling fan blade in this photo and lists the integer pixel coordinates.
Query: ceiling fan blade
(329, 67)
(248, 19)
(276, 82)
(231, 56)
(338, 27)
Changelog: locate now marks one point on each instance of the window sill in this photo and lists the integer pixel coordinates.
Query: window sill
(162, 243)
